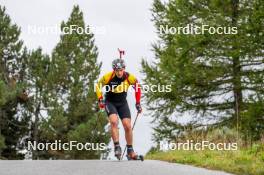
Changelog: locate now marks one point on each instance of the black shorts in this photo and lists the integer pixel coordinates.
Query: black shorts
(120, 108)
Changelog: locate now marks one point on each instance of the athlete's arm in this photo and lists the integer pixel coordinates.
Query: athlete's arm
(101, 83)
(133, 81)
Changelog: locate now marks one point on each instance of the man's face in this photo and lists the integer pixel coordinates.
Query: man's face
(119, 72)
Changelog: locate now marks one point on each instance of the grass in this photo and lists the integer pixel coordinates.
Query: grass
(243, 162)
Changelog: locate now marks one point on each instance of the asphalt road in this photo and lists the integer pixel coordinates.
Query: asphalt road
(98, 167)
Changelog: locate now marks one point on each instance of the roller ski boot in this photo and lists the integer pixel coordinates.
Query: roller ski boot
(118, 152)
(131, 155)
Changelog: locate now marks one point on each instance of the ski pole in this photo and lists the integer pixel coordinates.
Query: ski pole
(132, 130)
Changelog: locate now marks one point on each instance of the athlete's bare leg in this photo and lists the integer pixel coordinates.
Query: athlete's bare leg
(128, 130)
(113, 119)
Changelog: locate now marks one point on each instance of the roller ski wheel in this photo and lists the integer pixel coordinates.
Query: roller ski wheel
(118, 152)
(136, 157)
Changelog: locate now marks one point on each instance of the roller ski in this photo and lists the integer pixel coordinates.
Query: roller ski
(137, 157)
(118, 152)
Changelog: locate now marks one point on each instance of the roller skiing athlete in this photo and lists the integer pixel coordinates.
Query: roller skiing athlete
(115, 104)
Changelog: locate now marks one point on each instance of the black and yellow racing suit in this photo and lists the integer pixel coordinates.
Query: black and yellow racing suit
(116, 93)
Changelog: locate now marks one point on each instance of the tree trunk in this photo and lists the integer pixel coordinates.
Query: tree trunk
(237, 88)
(35, 131)
(36, 123)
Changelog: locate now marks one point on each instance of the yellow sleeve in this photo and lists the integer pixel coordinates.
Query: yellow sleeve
(132, 79)
(101, 83)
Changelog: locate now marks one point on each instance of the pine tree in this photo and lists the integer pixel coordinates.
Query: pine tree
(36, 70)
(13, 123)
(74, 69)
(214, 77)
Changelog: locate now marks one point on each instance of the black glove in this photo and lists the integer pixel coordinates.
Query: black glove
(138, 106)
